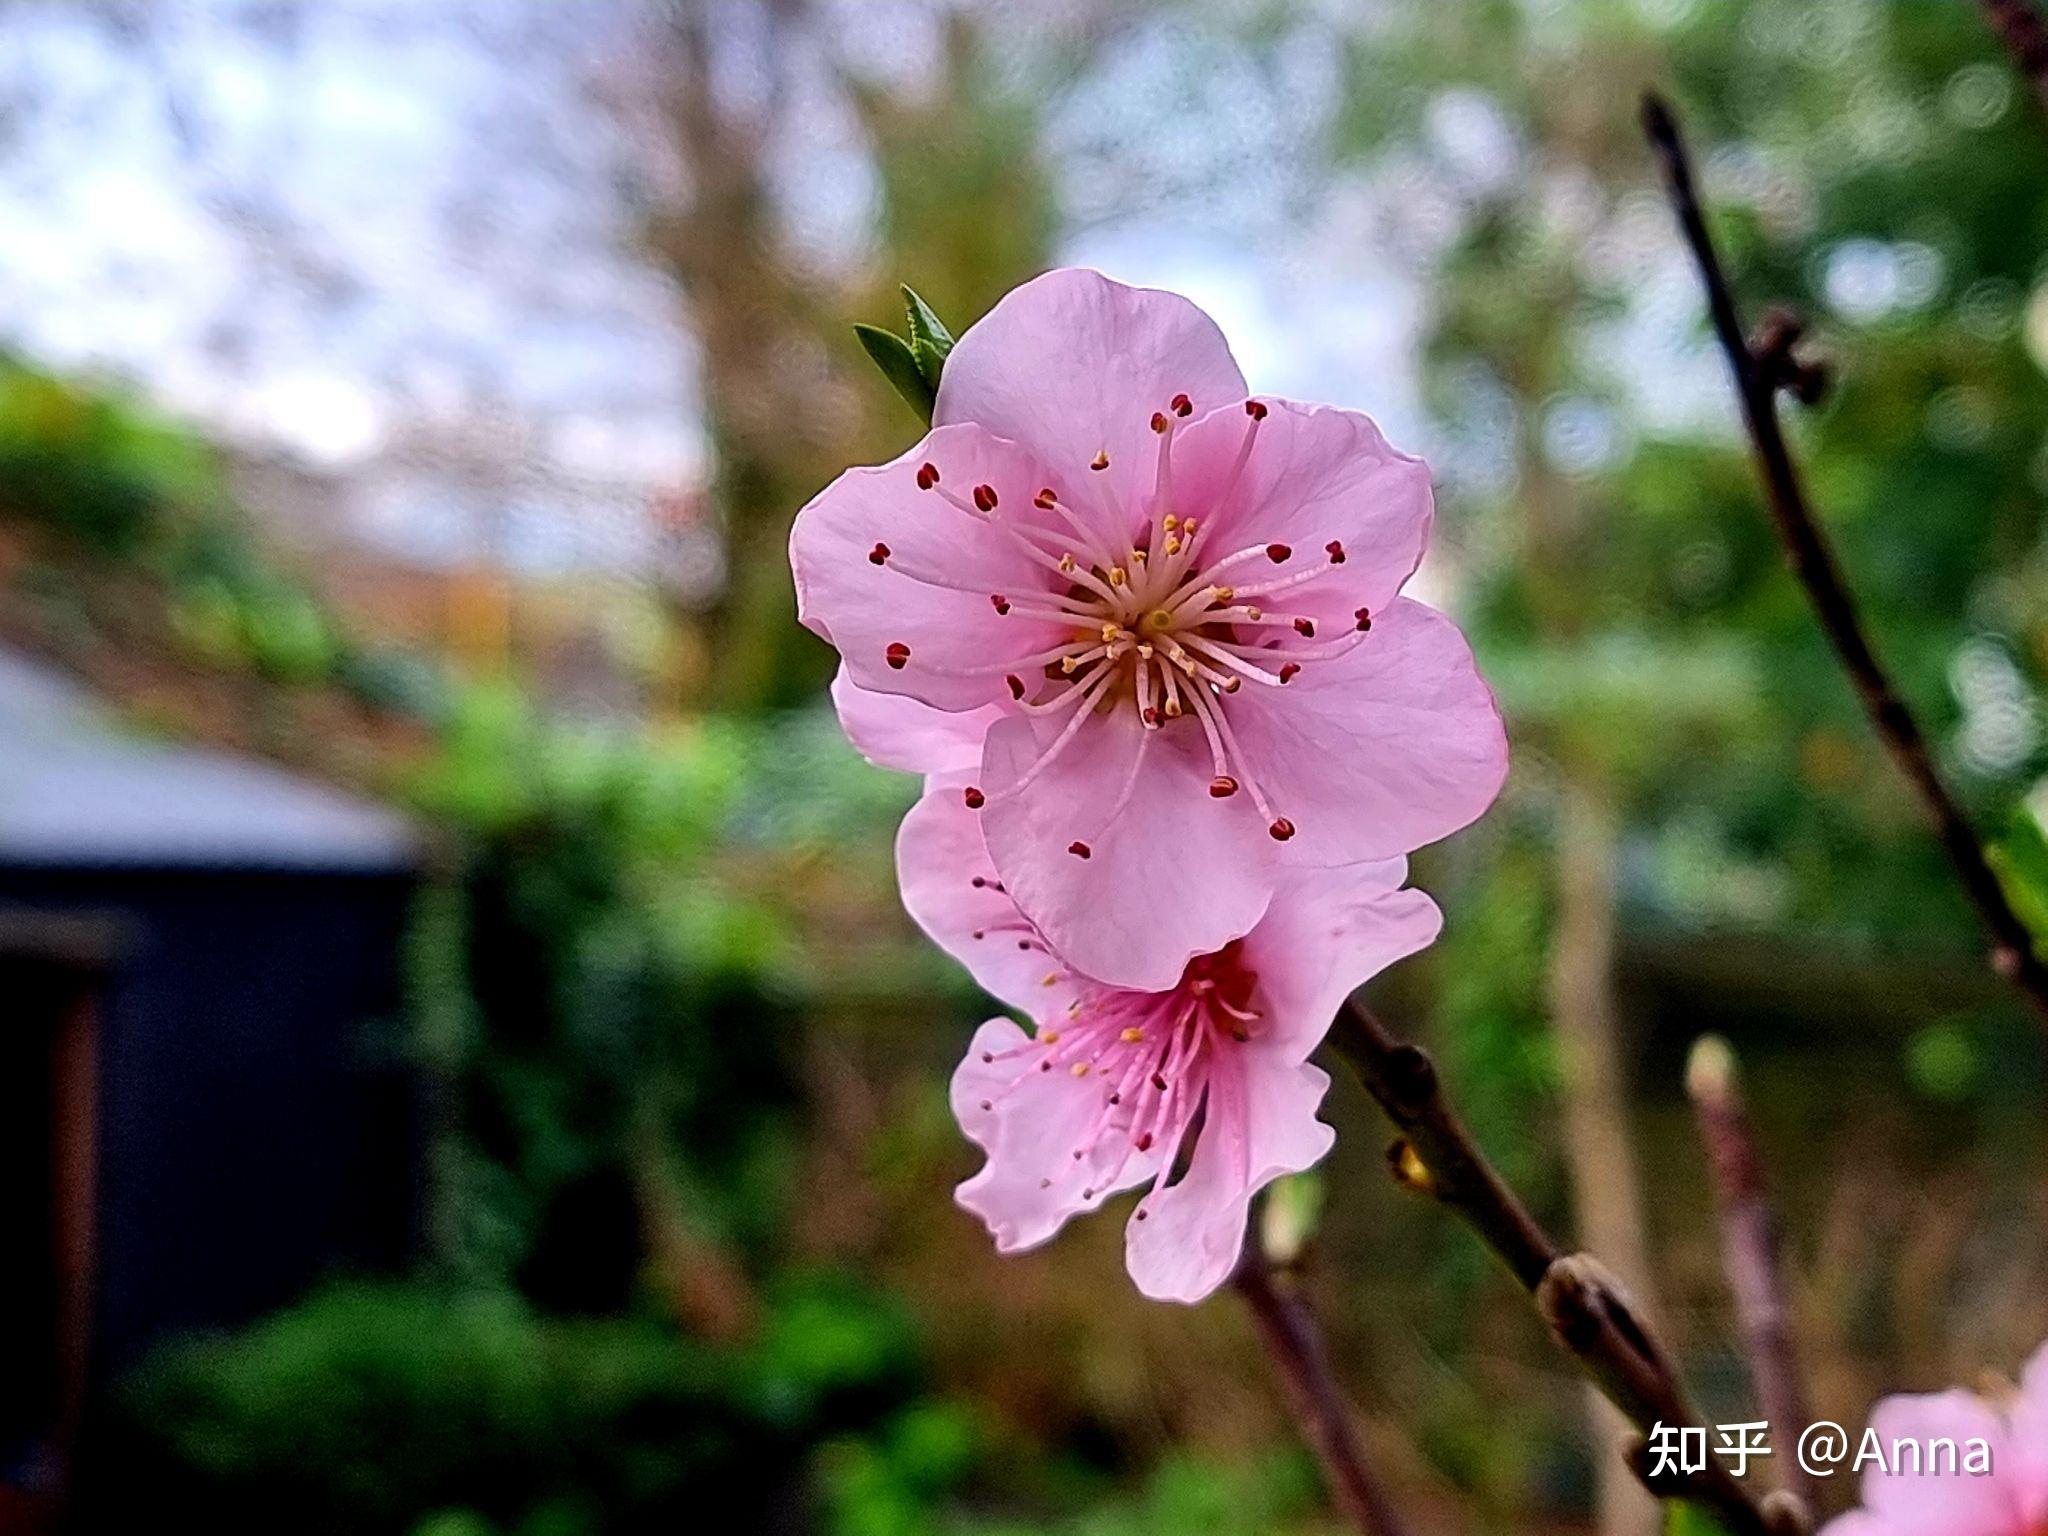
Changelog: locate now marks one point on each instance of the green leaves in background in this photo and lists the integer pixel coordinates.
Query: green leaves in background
(2020, 860)
(1686, 1519)
(911, 363)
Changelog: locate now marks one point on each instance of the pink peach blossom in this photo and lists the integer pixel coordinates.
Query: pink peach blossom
(1931, 1495)
(1170, 615)
(1116, 1087)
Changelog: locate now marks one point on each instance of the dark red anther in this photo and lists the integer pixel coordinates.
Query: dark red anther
(897, 655)
(1080, 850)
(1151, 714)
(1288, 669)
(1045, 500)
(1101, 460)
(1335, 550)
(1282, 830)
(1000, 603)
(1256, 411)
(1181, 405)
(1223, 786)
(1158, 1082)
(878, 554)
(1279, 553)
(1305, 628)
(978, 882)
(1116, 1098)
(975, 798)
(1145, 1142)
(1159, 421)
(927, 476)
(1016, 685)
(985, 497)
(1364, 617)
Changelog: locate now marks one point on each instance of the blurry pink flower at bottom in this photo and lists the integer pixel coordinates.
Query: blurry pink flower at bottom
(1202, 1090)
(1166, 618)
(1921, 1490)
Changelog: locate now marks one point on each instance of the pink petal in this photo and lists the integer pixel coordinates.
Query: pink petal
(1316, 476)
(1072, 364)
(1379, 751)
(1032, 1181)
(1326, 933)
(2028, 1456)
(893, 730)
(939, 857)
(1171, 875)
(864, 607)
(1261, 1123)
(1953, 1503)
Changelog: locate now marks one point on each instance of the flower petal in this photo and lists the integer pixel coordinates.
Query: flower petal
(1326, 933)
(939, 860)
(1031, 1128)
(1170, 873)
(1072, 364)
(1316, 476)
(2028, 1455)
(893, 730)
(866, 547)
(1947, 1503)
(1261, 1122)
(1382, 750)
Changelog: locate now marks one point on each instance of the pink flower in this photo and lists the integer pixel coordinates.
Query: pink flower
(1110, 1090)
(1172, 616)
(1923, 1488)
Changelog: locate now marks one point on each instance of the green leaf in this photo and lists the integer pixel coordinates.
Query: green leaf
(930, 341)
(1684, 1518)
(899, 365)
(2020, 860)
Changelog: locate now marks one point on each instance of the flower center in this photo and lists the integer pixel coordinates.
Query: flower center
(1162, 622)
(1153, 1055)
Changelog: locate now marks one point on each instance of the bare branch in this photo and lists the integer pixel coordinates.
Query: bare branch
(1750, 1248)
(1586, 1307)
(1760, 372)
(1287, 1326)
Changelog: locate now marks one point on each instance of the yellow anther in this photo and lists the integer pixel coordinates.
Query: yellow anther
(1172, 545)
(1137, 557)
(1222, 594)
(1131, 1036)
(1188, 527)
(1110, 632)
(1117, 576)
(1173, 709)
(1067, 665)
(1066, 564)
(1144, 652)
(1253, 613)
(1169, 522)
(1080, 1069)
(1052, 979)
(1050, 1037)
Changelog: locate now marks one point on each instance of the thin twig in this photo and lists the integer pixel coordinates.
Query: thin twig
(1586, 1307)
(1760, 371)
(1288, 1327)
(1750, 1248)
(2019, 24)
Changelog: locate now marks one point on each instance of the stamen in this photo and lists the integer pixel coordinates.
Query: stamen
(878, 554)
(927, 476)
(1223, 786)
(985, 498)
(1080, 850)
(897, 655)
(975, 798)
(1335, 550)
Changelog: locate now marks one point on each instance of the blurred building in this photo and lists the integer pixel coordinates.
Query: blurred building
(203, 1103)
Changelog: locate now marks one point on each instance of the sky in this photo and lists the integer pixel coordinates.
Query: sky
(394, 242)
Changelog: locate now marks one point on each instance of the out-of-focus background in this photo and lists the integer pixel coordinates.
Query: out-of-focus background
(463, 1069)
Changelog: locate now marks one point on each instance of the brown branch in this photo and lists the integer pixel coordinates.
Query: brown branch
(1760, 371)
(1750, 1249)
(1586, 1307)
(1288, 1328)
(2025, 35)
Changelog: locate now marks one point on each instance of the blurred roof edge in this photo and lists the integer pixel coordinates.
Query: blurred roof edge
(80, 791)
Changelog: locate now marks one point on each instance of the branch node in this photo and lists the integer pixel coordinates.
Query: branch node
(1408, 1168)
(1778, 367)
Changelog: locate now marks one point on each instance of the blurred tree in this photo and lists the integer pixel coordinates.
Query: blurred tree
(964, 211)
